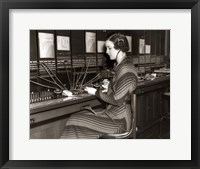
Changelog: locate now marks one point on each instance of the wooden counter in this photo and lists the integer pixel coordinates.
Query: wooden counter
(47, 118)
(150, 105)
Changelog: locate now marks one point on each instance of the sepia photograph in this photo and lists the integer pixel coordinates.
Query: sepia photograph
(100, 84)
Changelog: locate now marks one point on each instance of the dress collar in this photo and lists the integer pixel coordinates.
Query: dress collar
(126, 58)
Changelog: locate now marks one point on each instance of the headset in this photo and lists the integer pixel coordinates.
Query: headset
(122, 43)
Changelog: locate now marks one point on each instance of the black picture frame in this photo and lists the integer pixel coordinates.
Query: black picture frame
(6, 5)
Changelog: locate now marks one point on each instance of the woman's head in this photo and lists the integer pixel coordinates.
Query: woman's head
(115, 44)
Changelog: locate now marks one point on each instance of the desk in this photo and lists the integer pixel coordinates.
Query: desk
(48, 118)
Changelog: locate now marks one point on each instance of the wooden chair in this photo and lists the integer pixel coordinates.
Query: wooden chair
(132, 132)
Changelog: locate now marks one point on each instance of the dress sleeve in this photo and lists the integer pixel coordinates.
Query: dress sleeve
(119, 89)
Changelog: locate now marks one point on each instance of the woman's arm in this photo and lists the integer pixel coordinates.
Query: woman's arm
(124, 85)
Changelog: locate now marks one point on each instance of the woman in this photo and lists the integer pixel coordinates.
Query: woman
(117, 116)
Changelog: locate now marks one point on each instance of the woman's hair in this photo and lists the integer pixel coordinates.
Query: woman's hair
(120, 42)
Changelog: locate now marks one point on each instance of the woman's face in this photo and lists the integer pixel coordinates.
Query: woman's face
(110, 50)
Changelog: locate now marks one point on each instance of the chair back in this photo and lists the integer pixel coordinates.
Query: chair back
(134, 118)
(132, 132)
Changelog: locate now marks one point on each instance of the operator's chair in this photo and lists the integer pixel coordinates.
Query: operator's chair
(133, 129)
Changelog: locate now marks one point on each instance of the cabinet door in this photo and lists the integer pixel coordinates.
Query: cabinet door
(154, 106)
(50, 130)
(142, 108)
(148, 109)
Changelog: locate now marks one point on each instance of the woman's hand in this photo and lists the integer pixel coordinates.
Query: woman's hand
(105, 85)
(90, 90)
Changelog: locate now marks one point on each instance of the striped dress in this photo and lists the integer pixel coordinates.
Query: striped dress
(117, 116)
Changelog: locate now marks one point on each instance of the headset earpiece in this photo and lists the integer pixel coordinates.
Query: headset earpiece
(120, 42)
